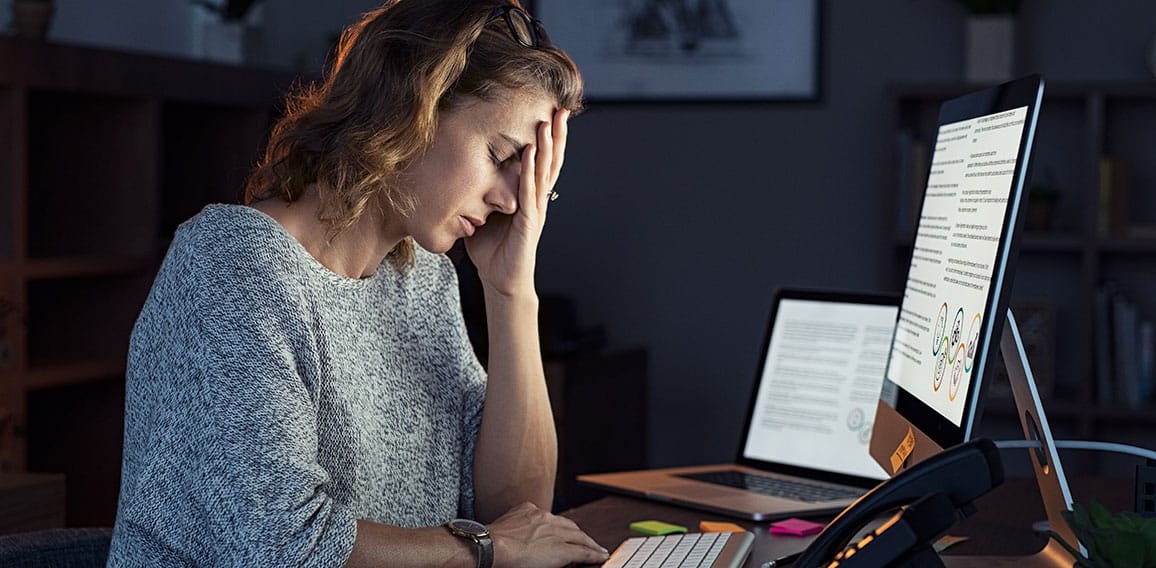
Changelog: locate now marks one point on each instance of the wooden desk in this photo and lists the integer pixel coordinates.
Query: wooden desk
(1002, 524)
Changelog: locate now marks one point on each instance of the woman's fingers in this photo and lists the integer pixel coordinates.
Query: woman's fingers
(561, 131)
(542, 161)
(586, 555)
(544, 165)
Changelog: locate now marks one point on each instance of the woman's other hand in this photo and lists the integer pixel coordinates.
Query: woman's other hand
(527, 536)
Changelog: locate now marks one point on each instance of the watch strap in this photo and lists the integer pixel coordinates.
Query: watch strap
(485, 551)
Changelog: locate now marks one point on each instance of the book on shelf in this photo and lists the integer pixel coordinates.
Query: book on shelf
(1103, 328)
(1127, 361)
(1113, 198)
(1124, 349)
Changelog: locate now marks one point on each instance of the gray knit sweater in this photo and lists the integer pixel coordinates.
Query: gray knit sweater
(271, 402)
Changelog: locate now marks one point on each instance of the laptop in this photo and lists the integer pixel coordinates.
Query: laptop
(804, 450)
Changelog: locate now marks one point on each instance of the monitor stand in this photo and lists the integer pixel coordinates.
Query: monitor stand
(1045, 461)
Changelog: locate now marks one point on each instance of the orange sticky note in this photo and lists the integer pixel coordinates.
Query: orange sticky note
(714, 527)
(903, 451)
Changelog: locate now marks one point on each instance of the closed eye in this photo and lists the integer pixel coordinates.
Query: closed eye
(503, 162)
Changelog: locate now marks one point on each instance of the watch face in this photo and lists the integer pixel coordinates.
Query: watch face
(468, 527)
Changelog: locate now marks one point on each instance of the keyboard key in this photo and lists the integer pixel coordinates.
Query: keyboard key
(775, 486)
(670, 551)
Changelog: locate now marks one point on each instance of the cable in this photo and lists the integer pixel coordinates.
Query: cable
(1080, 445)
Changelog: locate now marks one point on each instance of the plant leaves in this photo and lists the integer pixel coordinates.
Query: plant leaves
(1148, 533)
(1101, 516)
(1124, 552)
(1123, 539)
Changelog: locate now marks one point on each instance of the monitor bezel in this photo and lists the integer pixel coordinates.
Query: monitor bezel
(1024, 92)
(818, 295)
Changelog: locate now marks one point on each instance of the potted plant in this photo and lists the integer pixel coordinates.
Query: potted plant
(31, 18)
(989, 40)
(229, 37)
(1043, 202)
(1120, 539)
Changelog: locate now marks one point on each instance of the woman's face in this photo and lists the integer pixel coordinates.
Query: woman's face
(472, 168)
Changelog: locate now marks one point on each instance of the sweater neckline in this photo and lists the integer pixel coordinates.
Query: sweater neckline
(304, 256)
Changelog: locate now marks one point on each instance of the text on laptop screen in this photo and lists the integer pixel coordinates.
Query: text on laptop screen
(819, 386)
(960, 224)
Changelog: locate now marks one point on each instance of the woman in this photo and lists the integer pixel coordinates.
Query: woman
(301, 389)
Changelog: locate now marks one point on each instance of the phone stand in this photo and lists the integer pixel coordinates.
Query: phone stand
(1045, 461)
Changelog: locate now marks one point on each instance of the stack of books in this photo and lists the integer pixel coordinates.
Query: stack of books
(1124, 349)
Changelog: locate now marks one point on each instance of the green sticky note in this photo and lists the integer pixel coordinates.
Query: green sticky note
(655, 528)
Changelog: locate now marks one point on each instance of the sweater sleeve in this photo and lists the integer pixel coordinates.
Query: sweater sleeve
(221, 430)
(263, 488)
(473, 376)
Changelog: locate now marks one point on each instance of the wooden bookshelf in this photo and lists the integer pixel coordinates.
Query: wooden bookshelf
(110, 152)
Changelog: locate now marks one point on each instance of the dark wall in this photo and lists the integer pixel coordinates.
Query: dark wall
(675, 222)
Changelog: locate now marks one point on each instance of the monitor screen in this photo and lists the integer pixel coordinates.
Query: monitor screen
(954, 258)
(959, 279)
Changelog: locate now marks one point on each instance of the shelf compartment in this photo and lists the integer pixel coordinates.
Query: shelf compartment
(77, 431)
(82, 319)
(11, 175)
(1133, 276)
(209, 151)
(1059, 164)
(75, 373)
(1138, 246)
(91, 175)
(1129, 137)
(74, 267)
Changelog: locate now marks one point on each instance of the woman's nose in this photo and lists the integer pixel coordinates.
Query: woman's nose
(504, 196)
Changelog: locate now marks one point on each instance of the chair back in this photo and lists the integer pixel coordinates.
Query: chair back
(53, 548)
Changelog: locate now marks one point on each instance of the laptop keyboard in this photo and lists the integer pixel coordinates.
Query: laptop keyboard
(775, 486)
(682, 550)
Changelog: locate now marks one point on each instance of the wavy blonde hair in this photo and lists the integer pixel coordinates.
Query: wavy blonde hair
(376, 109)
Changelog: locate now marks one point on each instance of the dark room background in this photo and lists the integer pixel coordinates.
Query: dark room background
(677, 220)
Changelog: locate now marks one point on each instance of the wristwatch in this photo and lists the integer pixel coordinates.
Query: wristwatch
(479, 534)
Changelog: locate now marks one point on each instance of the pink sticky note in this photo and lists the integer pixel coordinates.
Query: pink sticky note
(796, 527)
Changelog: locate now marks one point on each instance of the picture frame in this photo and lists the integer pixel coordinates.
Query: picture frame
(690, 50)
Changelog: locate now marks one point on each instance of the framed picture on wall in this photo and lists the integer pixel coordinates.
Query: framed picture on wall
(689, 50)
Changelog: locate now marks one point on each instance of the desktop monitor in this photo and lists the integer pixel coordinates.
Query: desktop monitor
(959, 280)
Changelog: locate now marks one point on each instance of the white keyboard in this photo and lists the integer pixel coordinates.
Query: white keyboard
(691, 550)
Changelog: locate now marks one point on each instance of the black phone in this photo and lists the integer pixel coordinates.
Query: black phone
(934, 493)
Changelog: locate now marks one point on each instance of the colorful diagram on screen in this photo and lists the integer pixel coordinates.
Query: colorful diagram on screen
(857, 422)
(954, 352)
(937, 332)
(957, 372)
(940, 366)
(972, 338)
(956, 333)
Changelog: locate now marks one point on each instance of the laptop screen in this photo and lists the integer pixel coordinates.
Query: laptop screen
(819, 385)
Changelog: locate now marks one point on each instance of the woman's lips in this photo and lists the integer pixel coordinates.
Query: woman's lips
(470, 225)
